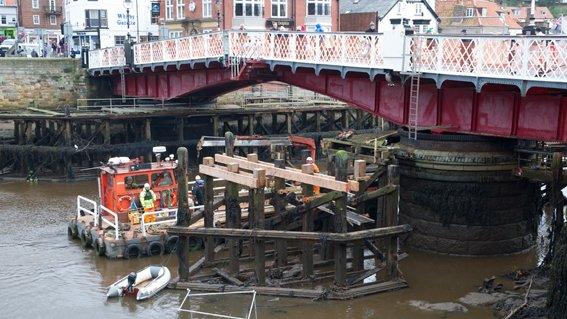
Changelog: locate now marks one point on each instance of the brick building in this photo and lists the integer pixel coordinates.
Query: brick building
(8, 19)
(40, 19)
(183, 17)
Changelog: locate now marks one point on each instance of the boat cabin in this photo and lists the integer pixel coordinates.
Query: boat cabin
(123, 179)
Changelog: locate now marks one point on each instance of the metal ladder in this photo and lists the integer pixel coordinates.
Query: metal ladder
(414, 92)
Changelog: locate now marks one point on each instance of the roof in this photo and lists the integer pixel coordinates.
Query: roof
(380, 6)
(542, 13)
(495, 15)
(363, 6)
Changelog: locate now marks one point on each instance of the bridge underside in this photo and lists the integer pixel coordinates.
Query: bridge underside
(498, 110)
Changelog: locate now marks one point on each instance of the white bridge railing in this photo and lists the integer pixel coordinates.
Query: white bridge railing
(541, 58)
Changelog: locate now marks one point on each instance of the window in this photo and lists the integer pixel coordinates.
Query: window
(52, 20)
(516, 12)
(96, 19)
(2, 19)
(180, 9)
(169, 9)
(174, 34)
(279, 8)
(52, 5)
(35, 4)
(135, 182)
(161, 179)
(35, 19)
(483, 12)
(418, 9)
(318, 7)
(469, 12)
(119, 39)
(207, 9)
(248, 8)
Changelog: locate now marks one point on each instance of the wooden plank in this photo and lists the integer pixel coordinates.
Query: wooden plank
(35, 109)
(292, 235)
(228, 277)
(201, 262)
(271, 291)
(354, 280)
(375, 251)
(365, 196)
(321, 180)
(241, 178)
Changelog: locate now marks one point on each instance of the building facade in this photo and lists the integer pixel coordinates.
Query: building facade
(476, 17)
(107, 23)
(185, 17)
(39, 20)
(8, 19)
(419, 14)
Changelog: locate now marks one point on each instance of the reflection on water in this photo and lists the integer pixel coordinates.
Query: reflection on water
(45, 275)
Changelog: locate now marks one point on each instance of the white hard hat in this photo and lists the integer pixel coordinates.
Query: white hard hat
(197, 177)
(309, 159)
(147, 186)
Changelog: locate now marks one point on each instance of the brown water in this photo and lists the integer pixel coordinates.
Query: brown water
(45, 275)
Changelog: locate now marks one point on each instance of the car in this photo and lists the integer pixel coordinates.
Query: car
(7, 44)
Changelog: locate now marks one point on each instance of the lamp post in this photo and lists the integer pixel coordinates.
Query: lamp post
(218, 13)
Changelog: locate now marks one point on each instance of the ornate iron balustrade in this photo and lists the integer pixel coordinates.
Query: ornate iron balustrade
(505, 57)
(112, 57)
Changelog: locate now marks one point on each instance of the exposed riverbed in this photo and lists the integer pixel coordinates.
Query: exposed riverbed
(46, 275)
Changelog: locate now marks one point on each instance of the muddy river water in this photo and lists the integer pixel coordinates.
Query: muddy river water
(43, 274)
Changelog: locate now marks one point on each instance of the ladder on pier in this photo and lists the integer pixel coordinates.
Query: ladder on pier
(415, 79)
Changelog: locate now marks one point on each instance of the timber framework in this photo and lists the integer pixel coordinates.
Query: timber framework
(317, 241)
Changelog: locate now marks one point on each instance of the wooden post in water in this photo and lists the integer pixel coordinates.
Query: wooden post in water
(340, 221)
(391, 219)
(183, 214)
(106, 132)
(180, 130)
(233, 211)
(209, 212)
(307, 247)
(279, 206)
(357, 249)
(256, 204)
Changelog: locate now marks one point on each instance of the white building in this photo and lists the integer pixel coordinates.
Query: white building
(419, 14)
(112, 20)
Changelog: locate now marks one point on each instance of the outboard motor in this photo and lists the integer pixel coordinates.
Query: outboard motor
(131, 282)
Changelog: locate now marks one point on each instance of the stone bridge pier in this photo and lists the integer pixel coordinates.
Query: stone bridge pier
(459, 194)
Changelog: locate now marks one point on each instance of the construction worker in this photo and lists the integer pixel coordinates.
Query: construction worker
(198, 191)
(148, 199)
(309, 160)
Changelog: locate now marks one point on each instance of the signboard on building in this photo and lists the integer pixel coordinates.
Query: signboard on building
(155, 9)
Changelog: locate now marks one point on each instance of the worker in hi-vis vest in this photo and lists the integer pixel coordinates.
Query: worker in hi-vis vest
(148, 198)
(309, 160)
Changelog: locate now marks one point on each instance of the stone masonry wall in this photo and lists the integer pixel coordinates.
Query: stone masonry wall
(42, 82)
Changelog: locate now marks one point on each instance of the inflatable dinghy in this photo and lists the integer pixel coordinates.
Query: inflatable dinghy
(143, 284)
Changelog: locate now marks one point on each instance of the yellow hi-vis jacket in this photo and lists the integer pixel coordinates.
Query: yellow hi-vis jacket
(147, 198)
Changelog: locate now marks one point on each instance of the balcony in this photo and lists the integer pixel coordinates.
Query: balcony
(49, 11)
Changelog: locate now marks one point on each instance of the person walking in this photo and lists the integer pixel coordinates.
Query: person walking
(198, 191)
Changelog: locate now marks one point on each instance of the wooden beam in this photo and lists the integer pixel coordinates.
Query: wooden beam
(366, 196)
(307, 226)
(209, 217)
(183, 214)
(391, 219)
(354, 280)
(292, 235)
(375, 251)
(320, 180)
(340, 221)
(257, 204)
(279, 206)
(228, 277)
(241, 178)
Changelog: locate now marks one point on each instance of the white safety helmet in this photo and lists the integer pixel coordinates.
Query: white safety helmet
(309, 159)
(147, 186)
(197, 177)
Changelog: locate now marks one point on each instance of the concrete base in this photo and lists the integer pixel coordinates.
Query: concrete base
(460, 196)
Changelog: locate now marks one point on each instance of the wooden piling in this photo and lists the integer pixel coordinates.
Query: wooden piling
(391, 219)
(257, 204)
(279, 206)
(209, 211)
(233, 211)
(183, 213)
(340, 221)
(307, 247)
(288, 119)
(106, 133)
(357, 249)
(181, 130)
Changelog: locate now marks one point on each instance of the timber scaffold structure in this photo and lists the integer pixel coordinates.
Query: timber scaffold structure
(310, 244)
